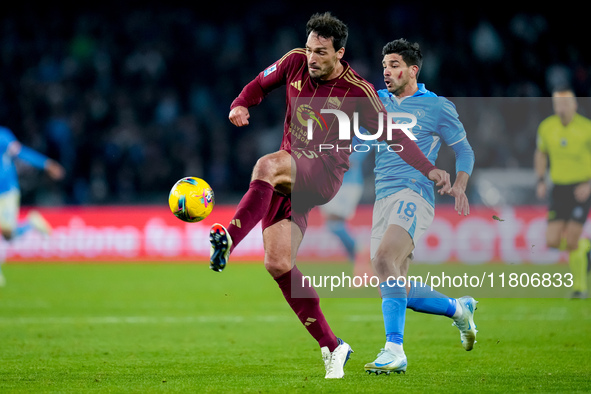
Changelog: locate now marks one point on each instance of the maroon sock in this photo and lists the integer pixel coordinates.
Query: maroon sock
(304, 301)
(251, 210)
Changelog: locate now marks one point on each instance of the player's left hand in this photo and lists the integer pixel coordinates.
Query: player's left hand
(442, 179)
(462, 205)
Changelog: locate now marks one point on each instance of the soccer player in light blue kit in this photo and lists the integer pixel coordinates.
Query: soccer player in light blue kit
(11, 149)
(405, 201)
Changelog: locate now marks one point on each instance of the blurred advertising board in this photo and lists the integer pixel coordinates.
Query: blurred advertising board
(151, 233)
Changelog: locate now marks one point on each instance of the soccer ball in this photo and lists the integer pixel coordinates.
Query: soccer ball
(191, 199)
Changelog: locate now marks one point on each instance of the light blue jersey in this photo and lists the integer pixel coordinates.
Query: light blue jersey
(9, 149)
(437, 121)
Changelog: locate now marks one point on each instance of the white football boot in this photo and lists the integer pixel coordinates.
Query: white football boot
(465, 322)
(334, 362)
(387, 362)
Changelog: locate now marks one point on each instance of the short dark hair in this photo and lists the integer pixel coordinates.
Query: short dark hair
(562, 88)
(328, 26)
(410, 52)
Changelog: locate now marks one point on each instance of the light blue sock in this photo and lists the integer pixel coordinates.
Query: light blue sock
(338, 228)
(421, 298)
(394, 310)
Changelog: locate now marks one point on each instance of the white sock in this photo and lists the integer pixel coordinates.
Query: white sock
(459, 310)
(394, 348)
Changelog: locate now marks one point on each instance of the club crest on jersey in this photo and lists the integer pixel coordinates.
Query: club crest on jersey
(334, 103)
(271, 69)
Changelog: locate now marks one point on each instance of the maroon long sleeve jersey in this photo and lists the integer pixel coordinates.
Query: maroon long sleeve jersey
(348, 93)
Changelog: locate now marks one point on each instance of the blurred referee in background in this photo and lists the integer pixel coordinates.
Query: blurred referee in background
(564, 143)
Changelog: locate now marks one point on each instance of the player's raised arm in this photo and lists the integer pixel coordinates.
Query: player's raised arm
(453, 133)
(464, 167)
(15, 149)
(267, 80)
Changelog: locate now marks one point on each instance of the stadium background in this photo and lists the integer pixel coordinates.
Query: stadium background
(130, 98)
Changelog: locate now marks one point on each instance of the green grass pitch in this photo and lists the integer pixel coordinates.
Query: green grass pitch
(183, 328)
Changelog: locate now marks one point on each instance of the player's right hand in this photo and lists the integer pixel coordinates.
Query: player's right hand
(239, 116)
(441, 178)
(541, 190)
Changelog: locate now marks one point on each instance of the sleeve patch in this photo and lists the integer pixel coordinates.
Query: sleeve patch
(270, 70)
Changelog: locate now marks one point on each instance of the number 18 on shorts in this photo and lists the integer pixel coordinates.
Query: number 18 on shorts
(406, 209)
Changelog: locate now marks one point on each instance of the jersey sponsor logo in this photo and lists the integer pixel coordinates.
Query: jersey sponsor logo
(270, 70)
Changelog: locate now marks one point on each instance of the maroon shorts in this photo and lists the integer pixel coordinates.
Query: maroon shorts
(317, 182)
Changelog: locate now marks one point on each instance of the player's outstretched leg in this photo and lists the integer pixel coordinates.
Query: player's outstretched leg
(271, 171)
(334, 362)
(221, 242)
(250, 211)
(422, 298)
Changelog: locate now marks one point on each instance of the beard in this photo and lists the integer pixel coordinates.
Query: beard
(319, 73)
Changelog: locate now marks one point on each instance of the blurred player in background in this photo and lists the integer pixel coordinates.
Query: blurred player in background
(287, 184)
(338, 211)
(564, 142)
(405, 202)
(10, 224)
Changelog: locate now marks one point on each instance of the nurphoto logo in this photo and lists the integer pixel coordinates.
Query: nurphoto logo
(344, 124)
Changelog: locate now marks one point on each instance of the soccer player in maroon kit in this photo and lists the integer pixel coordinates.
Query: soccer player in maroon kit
(288, 183)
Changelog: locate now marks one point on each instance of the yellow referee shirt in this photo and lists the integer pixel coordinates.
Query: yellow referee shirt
(568, 148)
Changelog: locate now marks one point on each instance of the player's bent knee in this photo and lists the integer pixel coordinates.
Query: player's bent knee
(272, 168)
(383, 266)
(388, 265)
(277, 267)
